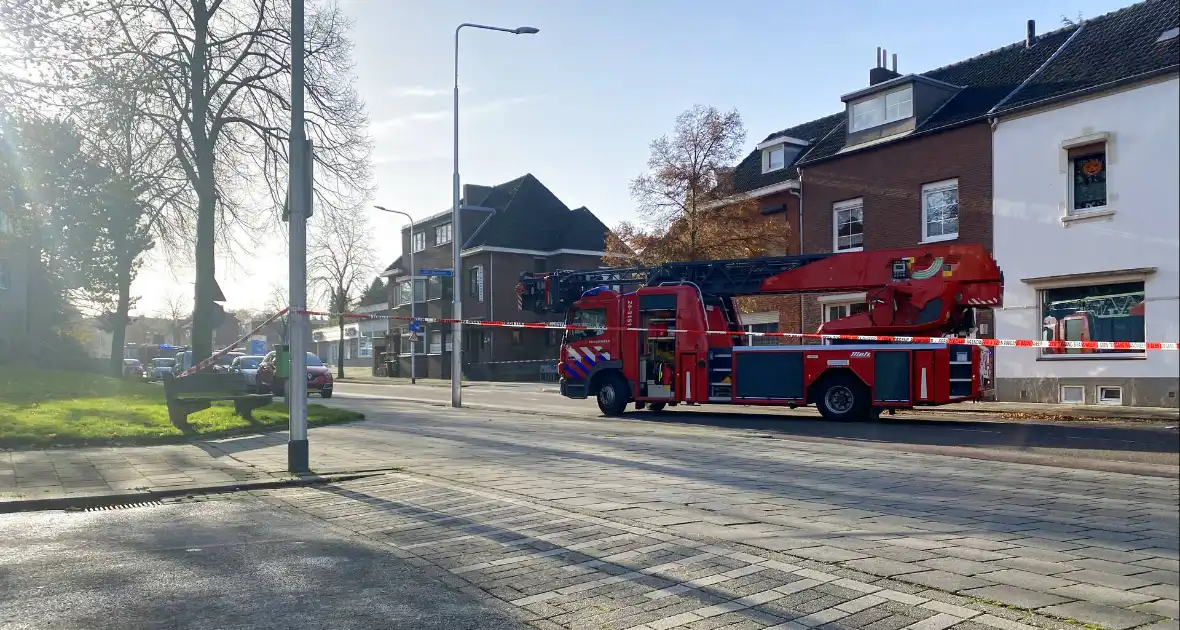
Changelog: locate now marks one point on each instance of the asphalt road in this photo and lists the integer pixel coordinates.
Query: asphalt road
(215, 564)
(1101, 445)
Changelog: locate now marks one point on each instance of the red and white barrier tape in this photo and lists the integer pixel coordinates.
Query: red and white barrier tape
(961, 341)
(221, 353)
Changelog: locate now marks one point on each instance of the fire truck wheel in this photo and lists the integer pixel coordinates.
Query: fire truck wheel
(843, 397)
(656, 406)
(612, 395)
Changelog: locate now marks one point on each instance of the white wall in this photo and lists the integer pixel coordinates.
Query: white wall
(1031, 240)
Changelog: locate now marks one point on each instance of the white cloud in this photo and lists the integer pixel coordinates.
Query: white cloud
(387, 125)
(420, 92)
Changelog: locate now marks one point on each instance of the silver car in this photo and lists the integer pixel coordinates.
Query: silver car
(247, 366)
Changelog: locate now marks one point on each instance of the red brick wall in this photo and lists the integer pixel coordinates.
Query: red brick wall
(788, 306)
(889, 179)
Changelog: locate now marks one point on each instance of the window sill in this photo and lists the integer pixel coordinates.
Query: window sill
(940, 239)
(1092, 357)
(441, 244)
(772, 170)
(850, 249)
(1089, 214)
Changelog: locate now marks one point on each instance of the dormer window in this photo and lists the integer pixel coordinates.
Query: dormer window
(775, 157)
(779, 152)
(881, 109)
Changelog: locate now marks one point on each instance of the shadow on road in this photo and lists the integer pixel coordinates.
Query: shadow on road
(1148, 439)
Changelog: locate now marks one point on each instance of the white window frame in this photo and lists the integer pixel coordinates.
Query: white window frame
(1095, 140)
(435, 344)
(1098, 398)
(768, 154)
(442, 234)
(1081, 389)
(845, 300)
(847, 206)
(936, 187)
(886, 108)
(418, 242)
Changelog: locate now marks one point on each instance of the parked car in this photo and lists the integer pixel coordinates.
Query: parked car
(247, 366)
(319, 377)
(132, 368)
(158, 367)
(184, 361)
(226, 360)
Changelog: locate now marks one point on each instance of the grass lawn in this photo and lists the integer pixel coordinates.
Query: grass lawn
(40, 408)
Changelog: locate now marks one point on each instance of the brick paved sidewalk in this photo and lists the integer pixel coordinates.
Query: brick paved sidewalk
(565, 569)
(53, 474)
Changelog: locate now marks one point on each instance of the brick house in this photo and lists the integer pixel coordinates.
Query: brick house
(769, 177)
(514, 227)
(907, 162)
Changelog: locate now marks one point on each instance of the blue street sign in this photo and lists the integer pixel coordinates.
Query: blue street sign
(445, 273)
(415, 326)
(258, 347)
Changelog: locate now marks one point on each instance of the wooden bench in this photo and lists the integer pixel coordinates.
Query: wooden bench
(198, 391)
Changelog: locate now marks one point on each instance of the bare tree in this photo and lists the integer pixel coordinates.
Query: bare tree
(688, 172)
(176, 312)
(341, 265)
(276, 301)
(218, 75)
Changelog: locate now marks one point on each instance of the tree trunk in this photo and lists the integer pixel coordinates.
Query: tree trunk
(206, 189)
(119, 319)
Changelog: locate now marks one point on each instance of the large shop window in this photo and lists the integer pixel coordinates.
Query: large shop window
(1102, 312)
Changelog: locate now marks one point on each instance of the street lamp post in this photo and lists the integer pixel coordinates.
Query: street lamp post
(298, 205)
(413, 312)
(457, 233)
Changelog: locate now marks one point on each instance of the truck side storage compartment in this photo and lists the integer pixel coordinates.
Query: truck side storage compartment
(761, 373)
(891, 376)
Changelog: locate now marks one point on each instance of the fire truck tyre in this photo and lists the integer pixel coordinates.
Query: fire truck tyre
(656, 406)
(612, 395)
(843, 398)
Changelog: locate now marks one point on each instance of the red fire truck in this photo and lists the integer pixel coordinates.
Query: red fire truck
(669, 335)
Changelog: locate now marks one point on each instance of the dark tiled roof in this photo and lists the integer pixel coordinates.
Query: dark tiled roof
(528, 216)
(748, 175)
(396, 264)
(985, 81)
(1111, 48)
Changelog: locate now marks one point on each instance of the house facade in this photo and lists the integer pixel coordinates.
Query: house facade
(1086, 216)
(364, 339)
(508, 229)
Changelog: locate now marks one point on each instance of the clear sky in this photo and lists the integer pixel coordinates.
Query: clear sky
(577, 104)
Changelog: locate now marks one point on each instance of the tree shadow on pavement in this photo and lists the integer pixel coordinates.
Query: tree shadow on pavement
(216, 564)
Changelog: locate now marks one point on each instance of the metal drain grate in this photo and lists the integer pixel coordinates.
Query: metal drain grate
(122, 506)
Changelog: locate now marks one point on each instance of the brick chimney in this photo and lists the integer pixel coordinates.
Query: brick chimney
(880, 73)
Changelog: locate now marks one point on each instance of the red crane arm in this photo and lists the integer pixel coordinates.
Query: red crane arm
(920, 291)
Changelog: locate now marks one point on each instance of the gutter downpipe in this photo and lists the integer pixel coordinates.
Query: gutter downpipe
(798, 192)
(992, 118)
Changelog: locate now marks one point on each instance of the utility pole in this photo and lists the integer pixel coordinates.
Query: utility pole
(457, 232)
(300, 188)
